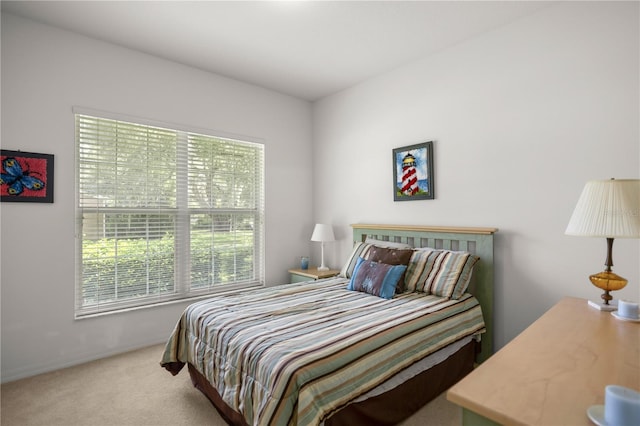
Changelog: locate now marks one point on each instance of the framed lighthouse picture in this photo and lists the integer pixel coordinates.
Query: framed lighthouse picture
(413, 172)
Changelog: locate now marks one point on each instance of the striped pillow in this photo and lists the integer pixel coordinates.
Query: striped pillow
(443, 273)
(359, 250)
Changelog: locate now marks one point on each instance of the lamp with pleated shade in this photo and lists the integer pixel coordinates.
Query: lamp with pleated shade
(322, 233)
(607, 209)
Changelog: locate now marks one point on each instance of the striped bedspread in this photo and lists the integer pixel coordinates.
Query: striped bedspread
(296, 353)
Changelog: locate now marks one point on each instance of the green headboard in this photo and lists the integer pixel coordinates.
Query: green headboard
(478, 241)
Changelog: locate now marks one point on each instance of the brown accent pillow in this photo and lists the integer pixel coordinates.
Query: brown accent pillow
(391, 256)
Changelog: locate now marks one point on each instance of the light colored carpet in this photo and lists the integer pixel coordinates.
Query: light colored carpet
(132, 389)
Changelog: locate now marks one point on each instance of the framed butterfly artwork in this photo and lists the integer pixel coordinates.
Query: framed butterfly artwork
(26, 177)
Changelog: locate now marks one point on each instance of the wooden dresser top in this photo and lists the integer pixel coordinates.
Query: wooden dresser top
(556, 369)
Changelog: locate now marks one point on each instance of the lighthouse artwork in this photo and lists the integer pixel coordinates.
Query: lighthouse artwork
(409, 175)
(413, 172)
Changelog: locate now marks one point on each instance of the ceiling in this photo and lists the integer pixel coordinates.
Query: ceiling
(306, 49)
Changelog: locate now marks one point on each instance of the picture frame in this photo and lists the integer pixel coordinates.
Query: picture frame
(413, 172)
(26, 177)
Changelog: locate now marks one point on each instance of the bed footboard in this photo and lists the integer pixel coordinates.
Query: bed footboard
(389, 408)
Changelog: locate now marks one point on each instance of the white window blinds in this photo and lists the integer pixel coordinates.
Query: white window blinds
(164, 214)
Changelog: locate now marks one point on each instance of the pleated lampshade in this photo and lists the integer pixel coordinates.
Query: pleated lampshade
(607, 208)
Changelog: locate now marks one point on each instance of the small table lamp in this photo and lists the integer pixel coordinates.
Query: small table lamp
(609, 209)
(322, 233)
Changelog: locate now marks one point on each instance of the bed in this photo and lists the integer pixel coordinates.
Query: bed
(408, 316)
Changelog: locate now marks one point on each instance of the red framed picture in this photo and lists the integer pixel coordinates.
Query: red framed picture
(26, 177)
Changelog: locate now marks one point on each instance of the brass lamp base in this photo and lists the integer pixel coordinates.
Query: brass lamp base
(607, 281)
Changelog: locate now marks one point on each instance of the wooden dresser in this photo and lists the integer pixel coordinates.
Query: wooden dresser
(554, 370)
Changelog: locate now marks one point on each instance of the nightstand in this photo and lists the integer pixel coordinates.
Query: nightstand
(311, 274)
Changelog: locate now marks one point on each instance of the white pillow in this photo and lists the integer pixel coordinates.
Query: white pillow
(387, 244)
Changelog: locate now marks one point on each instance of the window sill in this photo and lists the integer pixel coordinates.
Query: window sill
(188, 300)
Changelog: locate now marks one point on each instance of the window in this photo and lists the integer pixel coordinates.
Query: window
(164, 214)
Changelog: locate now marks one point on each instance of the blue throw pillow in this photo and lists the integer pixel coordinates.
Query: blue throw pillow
(378, 279)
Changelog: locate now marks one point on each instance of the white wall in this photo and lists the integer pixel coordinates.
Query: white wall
(45, 72)
(521, 117)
